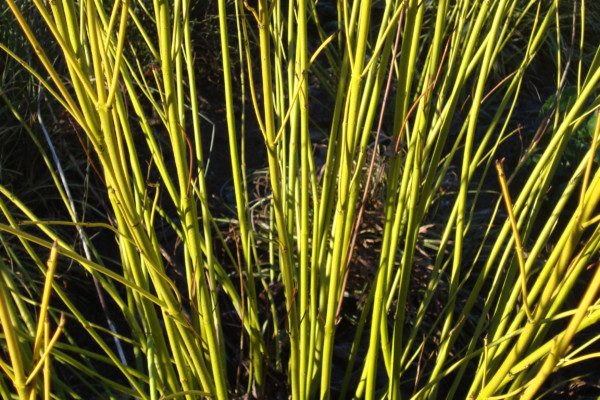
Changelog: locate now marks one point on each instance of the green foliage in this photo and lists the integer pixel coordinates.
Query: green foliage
(460, 296)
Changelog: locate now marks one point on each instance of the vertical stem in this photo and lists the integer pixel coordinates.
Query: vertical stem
(285, 258)
(305, 152)
(344, 211)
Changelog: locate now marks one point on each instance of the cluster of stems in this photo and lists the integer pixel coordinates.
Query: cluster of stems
(420, 78)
